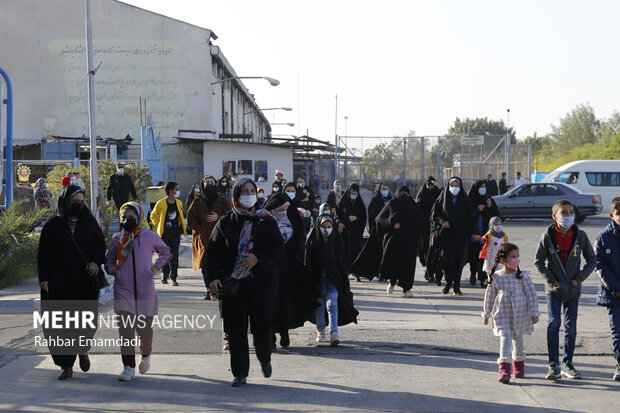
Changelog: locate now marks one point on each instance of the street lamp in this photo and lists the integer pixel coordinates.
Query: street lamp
(283, 124)
(271, 80)
(262, 110)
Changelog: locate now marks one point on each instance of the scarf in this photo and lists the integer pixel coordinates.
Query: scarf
(496, 221)
(284, 224)
(125, 244)
(245, 238)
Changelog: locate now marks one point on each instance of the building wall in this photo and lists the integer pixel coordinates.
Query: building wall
(277, 158)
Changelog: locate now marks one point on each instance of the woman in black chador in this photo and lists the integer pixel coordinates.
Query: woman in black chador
(71, 249)
(391, 249)
(427, 194)
(241, 267)
(295, 299)
(484, 209)
(351, 215)
(379, 199)
(453, 228)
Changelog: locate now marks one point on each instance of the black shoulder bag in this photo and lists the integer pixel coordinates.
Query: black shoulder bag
(98, 280)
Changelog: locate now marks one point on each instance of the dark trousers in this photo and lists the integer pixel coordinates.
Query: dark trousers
(614, 324)
(129, 326)
(237, 308)
(172, 238)
(453, 262)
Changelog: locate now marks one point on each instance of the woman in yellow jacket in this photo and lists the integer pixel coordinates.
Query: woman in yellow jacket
(167, 218)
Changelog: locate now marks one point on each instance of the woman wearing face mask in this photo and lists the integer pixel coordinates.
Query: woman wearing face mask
(379, 199)
(390, 250)
(351, 212)
(71, 248)
(130, 260)
(241, 268)
(193, 193)
(427, 194)
(335, 195)
(260, 195)
(484, 208)
(202, 216)
(167, 217)
(305, 198)
(294, 298)
(454, 227)
(223, 187)
(325, 260)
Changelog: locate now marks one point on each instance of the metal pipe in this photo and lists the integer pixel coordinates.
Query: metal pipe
(9, 137)
(94, 187)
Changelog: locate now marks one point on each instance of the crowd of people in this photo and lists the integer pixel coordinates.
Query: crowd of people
(276, 262)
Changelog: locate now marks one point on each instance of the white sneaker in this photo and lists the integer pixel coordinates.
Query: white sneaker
(145, 364)
(127, 374)
(408, 293)
(320, 336)
(334, 339)
(390, 288)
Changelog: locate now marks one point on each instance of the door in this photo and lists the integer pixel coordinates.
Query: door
(546, 195)
(520, 203)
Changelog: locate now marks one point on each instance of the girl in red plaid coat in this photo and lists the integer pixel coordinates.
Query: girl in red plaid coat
(511, 302)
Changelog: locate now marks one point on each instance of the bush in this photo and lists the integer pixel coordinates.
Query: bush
(18, 244)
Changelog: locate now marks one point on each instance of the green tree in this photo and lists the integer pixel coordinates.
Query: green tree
(480, 126)
(374, 157)
(577, 128)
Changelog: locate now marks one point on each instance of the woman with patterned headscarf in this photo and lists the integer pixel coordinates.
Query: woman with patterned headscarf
(241, 268)
(71, 249)
(129, 259)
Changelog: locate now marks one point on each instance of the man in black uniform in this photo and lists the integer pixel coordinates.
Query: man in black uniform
(503, 186)
(119, 187)
(491, 185)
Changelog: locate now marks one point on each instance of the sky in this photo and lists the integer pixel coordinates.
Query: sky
(401, 65)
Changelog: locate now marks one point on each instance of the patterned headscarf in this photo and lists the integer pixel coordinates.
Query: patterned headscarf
(125, 245)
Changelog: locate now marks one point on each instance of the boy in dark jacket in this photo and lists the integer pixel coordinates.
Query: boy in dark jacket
(608, 270)
(558, 259)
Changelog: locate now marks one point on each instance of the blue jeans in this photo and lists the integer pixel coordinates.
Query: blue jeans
(329, 298)
(614, 324)
(554, 312)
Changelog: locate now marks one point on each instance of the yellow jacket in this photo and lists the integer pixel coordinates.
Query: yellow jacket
(158, 216)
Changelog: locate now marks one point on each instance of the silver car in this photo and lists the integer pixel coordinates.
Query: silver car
(536, 200)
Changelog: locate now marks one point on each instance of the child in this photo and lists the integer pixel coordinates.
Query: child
(558, 260)
(130, 261)
(325, 259)
(608, 269)
(511, 301)
(492, 240)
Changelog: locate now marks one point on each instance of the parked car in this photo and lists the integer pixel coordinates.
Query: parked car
(599, 176)
(536, 200)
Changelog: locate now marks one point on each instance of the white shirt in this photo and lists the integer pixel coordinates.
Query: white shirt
(519, 182)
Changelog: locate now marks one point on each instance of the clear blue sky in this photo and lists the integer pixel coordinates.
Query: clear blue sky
(401, 65)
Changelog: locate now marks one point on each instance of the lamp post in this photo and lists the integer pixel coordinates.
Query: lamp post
(271, 80)
(287, 109)
(9, 139)
(94, 180)
(282, 124)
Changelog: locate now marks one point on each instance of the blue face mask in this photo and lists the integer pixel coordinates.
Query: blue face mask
(482, 191)
(385, 193)
(454, 190)
(567, 222)
(353, 196)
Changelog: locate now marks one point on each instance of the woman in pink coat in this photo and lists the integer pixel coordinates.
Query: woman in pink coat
(130, 260)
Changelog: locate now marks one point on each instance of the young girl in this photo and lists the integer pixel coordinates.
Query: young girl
(491, 241)
(511, 302)
(130, 261)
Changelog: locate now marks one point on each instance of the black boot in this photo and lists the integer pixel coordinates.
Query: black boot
(285, 340)
(65, 373)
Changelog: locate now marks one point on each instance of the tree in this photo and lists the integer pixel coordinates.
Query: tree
(374, 157)
(480, 126)
(577, 128)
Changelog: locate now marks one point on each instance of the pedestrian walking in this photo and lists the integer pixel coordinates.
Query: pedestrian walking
(484, 209)
(425, 198)
(608, 269)
(325, 260)
(120, 186)
(130, 260)
(491, 241)
(491, 184)
(558, 260)
(260, 195)
(335, 195)
(241, 268)
(192, 194)
(223, 187)
(71, 250)
(167, 218)
(519, 181)
(503, 184)
(278, 184)
(42, 195)
(454, 227)
(380, 198)
(511, 303)
(351, 213)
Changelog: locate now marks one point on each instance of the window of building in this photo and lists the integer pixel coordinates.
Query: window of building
(244, 167)
(260, 171)
(603, 178)
(229, 168)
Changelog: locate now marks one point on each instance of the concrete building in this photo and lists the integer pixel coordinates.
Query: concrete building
(167, 64)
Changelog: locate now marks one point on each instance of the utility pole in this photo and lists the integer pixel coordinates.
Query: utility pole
(336, 142)
(94, 180)
(404, 180)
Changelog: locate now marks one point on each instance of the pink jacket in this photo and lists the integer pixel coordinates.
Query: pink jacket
(145, 244)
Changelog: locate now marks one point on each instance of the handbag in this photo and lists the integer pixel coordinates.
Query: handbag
(97, 280)
(230, 286)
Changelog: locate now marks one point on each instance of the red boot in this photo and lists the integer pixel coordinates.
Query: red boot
(505, 371)
(519, 369)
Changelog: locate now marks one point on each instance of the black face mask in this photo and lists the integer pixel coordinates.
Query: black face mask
(209, 188)
(129, 224)
(75, 209)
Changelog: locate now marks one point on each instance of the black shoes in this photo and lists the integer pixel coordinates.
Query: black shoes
(266, 368)
(472, 279)
(285, 340)
(457, 292)
(65, 373)
(445, 290)
(239, 381)
(84, 362)
(164, 281)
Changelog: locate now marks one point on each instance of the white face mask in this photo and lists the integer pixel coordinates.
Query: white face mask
(177, 194)
(121, 171)
(261, 195)
(301, 184)
(567, 222)
(339, 188)
(454, 190)
(247, 201)
(326, 231)
(280, 215)
(197, 190)
(224, 183)
(482, 191)
(275, 189)
(291, 195)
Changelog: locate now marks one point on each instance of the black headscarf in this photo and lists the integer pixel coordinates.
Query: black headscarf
(209, 196)
(475, 196)
(219, 187)
(404, 194)
(347, 194)
(64, 199)
(295, 201)
(426, 197)
(460, 213)
(276, 201)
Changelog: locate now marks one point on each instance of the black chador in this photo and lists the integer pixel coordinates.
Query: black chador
(352, 206)
(377, 203)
